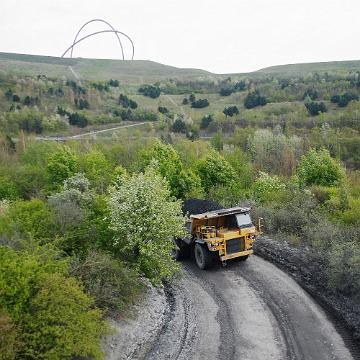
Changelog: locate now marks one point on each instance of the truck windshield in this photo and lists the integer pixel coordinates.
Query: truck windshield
(244, 220)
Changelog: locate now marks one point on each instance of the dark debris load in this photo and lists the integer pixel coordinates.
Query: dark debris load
(198, 206)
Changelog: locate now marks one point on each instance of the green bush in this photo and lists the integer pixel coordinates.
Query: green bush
(254, 99)
(344, 268)
(109, 281)
(319, 168)
(267, 188)
(8, 189)
(96, 168)
(205, 121)
(214, 170)
(166, 161)
(150, 91)
(60, 166)
(25, 219)
(55, 318)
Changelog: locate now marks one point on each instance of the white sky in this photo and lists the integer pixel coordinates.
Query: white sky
(222, 36)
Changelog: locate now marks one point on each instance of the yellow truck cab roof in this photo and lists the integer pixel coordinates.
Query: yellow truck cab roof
(221, 212)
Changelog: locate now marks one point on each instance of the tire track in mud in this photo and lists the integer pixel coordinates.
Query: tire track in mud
(306, 329)
(177, 333)
(287, 331)
(227, 348)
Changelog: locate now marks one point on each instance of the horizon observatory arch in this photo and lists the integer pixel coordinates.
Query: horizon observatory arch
(111, 30)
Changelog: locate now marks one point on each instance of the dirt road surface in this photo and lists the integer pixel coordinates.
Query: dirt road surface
(249, 310)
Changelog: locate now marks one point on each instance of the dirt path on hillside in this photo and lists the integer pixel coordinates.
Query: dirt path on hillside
(88, 134)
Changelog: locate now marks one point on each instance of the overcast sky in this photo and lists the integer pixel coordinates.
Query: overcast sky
(221, 36)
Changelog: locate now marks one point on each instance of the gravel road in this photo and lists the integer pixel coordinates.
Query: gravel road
(249, 310)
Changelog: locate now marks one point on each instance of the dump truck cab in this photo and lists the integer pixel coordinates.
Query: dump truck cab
(224, 234)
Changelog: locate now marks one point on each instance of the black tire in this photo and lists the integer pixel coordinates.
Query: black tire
(181, 250)
(203, 257)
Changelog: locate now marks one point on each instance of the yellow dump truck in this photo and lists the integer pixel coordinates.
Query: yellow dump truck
(220, 234)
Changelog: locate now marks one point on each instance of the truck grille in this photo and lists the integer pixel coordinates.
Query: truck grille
(234, 245)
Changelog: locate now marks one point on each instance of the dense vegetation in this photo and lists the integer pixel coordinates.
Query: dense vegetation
(82, 223)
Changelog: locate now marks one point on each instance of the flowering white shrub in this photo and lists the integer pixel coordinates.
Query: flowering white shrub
(145, 218)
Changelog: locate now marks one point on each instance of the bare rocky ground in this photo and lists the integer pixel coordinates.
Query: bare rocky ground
(249, 310)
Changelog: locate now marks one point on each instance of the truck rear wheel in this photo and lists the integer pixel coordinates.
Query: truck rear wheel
(203, 257)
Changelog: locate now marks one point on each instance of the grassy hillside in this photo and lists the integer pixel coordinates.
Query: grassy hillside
(40, 94)
(340, 67)
(136, 71)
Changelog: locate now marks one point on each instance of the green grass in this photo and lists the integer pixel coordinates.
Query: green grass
(131, 72)
(339, 67)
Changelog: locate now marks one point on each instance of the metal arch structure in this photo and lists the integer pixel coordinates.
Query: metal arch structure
(117, 32)
(105, 22)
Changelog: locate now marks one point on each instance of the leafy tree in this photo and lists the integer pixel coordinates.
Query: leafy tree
(125, 102)
(335, 99)
(166, 162)
(200, 103)
(267, 187)
(311, 93)
(150, 91)
(163, 110)
(226, 91)
(254, 99)
(315, 108)
(242, 166)
(96, 168)
(240, 85)
(16, 98)
(344, 99)
(82, 104)
(179, 126)
(214, 170)
(319, 168)
(61, 165)
(8, 189)
(145, 219)
(27, 218)
(185, 101)
(206, 121)
(231, 111)
(118, 175)
(192, 98)
(114, 83)
(77, 119)
(31, 101)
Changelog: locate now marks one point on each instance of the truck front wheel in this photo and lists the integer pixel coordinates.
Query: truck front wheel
(203, 257)
(181, 251)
